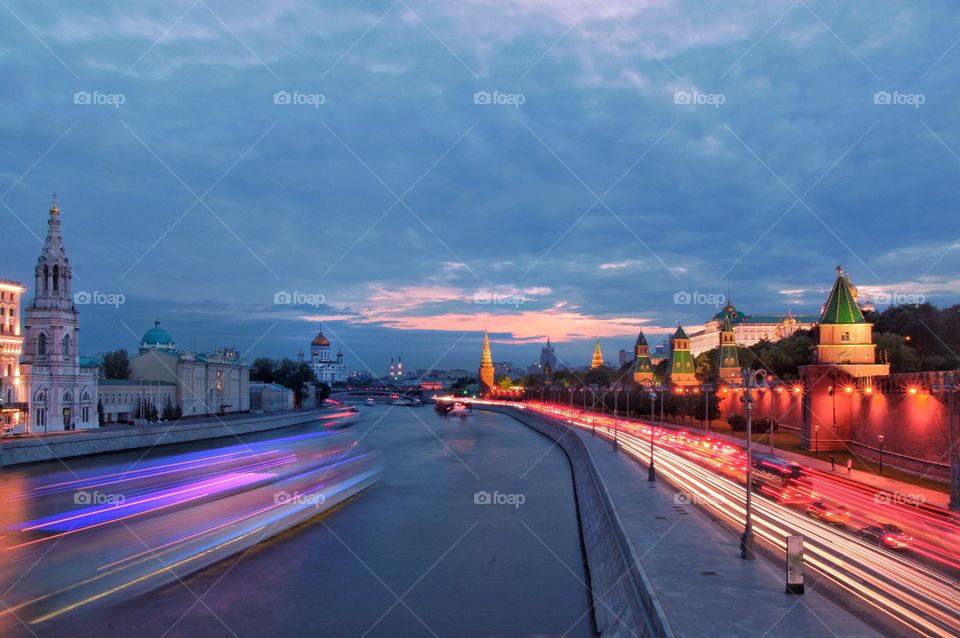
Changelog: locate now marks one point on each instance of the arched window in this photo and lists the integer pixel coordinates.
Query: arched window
(66, 346)
(42, 345)
(46, 277)
(67, 397)
(56, 277)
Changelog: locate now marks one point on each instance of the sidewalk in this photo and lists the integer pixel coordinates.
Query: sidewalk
(693, 563)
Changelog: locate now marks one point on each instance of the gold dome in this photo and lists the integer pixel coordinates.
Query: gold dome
(320, 340)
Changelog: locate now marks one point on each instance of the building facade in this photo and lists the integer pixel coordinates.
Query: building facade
(13, 404)
(206, 383)
(134, 401)
(271, 397)
(61, 395)
(330, 369)
(748, 329)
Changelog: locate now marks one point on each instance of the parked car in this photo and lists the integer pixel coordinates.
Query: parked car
(886, 535)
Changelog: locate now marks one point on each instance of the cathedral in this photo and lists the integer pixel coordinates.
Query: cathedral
(62, 397)
(327, 369)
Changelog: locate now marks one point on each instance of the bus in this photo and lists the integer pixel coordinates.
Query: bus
(781, 480)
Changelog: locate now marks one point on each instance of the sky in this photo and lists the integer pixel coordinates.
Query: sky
(410, 173)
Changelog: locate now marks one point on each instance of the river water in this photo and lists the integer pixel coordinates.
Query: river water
(471, 531)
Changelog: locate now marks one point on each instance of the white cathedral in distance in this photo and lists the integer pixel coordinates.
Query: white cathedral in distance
(327, 369)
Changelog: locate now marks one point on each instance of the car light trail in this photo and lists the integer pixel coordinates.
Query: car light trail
(915, 594)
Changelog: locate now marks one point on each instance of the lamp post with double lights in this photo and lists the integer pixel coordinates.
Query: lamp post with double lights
(880, 442)
(652, 472)
(750, 380)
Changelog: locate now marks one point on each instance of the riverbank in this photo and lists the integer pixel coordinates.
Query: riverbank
(36, 449)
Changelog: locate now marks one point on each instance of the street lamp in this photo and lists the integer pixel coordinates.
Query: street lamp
(616, 417)
(749, 378)
(880, 441)
(707, 389)
(816, 439)
(651, 472)
(947, 383)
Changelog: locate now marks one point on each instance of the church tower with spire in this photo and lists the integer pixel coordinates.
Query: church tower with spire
(486, 367)
(61, 397)
(642, 368)
(597, 355)
(682, 370)
(728, 359)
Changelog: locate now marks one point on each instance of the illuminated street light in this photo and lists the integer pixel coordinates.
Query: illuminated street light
(750, 380)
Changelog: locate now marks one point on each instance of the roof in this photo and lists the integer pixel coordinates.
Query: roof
(136, 383)
(680, 334)
(841, 306)
(320, 340)
(726, 324)
(157, 336)
(641, 340)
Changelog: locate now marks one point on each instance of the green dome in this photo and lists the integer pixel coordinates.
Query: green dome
(157, 336)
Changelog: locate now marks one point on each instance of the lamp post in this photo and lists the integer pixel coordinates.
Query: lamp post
(773, 410)
(571, 396)
(749, 378)
(947, 383)
(816, 439)
(707, 389)
(651, 471)
(880, 442)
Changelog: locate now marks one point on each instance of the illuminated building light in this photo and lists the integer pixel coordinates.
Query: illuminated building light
(868, 390)
(848, 389)
(797, 389)
(913, 390)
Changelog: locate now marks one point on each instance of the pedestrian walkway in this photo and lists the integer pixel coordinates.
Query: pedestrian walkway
(694, 566)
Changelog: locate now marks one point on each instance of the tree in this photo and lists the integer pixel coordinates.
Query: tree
(263, 370)
(323, 392)
(902, 357)
(169, 414)
(116, 365)
(505, 382)
(101, 418)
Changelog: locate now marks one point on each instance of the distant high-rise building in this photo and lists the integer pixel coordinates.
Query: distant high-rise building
(623, 357)
(597, 355)
(548, 356)
(486, 367)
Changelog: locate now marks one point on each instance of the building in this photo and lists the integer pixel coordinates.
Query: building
(136, 401)
(642, 367)
(270, 397)
(548, 357)
(748, 329)
(682, 370)
(13, 404)
(60, 394)
(728, 358)
(486, 367)
(329, 369)
(206, 383)
(597, 355)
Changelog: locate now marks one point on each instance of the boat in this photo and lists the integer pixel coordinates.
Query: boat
(369, 401)
(453, 408)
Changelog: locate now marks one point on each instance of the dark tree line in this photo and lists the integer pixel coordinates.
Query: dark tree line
(290, 374)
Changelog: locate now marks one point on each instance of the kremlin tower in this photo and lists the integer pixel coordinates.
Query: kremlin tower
(728, 359)
(486, 367)
(642, 368)
(682, 370)
(597, 356)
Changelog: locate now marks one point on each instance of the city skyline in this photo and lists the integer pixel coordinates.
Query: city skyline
(571, 233)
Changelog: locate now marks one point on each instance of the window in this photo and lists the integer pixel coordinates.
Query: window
(56, 278)
(86, 414)
(844, 336)
(46, 277)
(66, 345)
(42, 345)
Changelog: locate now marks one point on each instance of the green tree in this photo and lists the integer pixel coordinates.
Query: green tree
(323, 392)
(101, 418)
(505, 382)
(263, 370)
(902, 357)
(116, 365)
(169, 414)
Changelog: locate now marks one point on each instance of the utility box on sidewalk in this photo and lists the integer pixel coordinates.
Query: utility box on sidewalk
(795, 565)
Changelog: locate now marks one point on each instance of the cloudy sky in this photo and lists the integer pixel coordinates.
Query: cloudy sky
(410, 173)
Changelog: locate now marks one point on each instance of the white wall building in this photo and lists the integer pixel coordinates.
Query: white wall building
(328, 369)
(61, 395)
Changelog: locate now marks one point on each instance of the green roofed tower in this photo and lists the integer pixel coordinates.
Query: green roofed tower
(682, 370)
(841, 306)
(843, 336)
(728, 360)
(642, 368)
